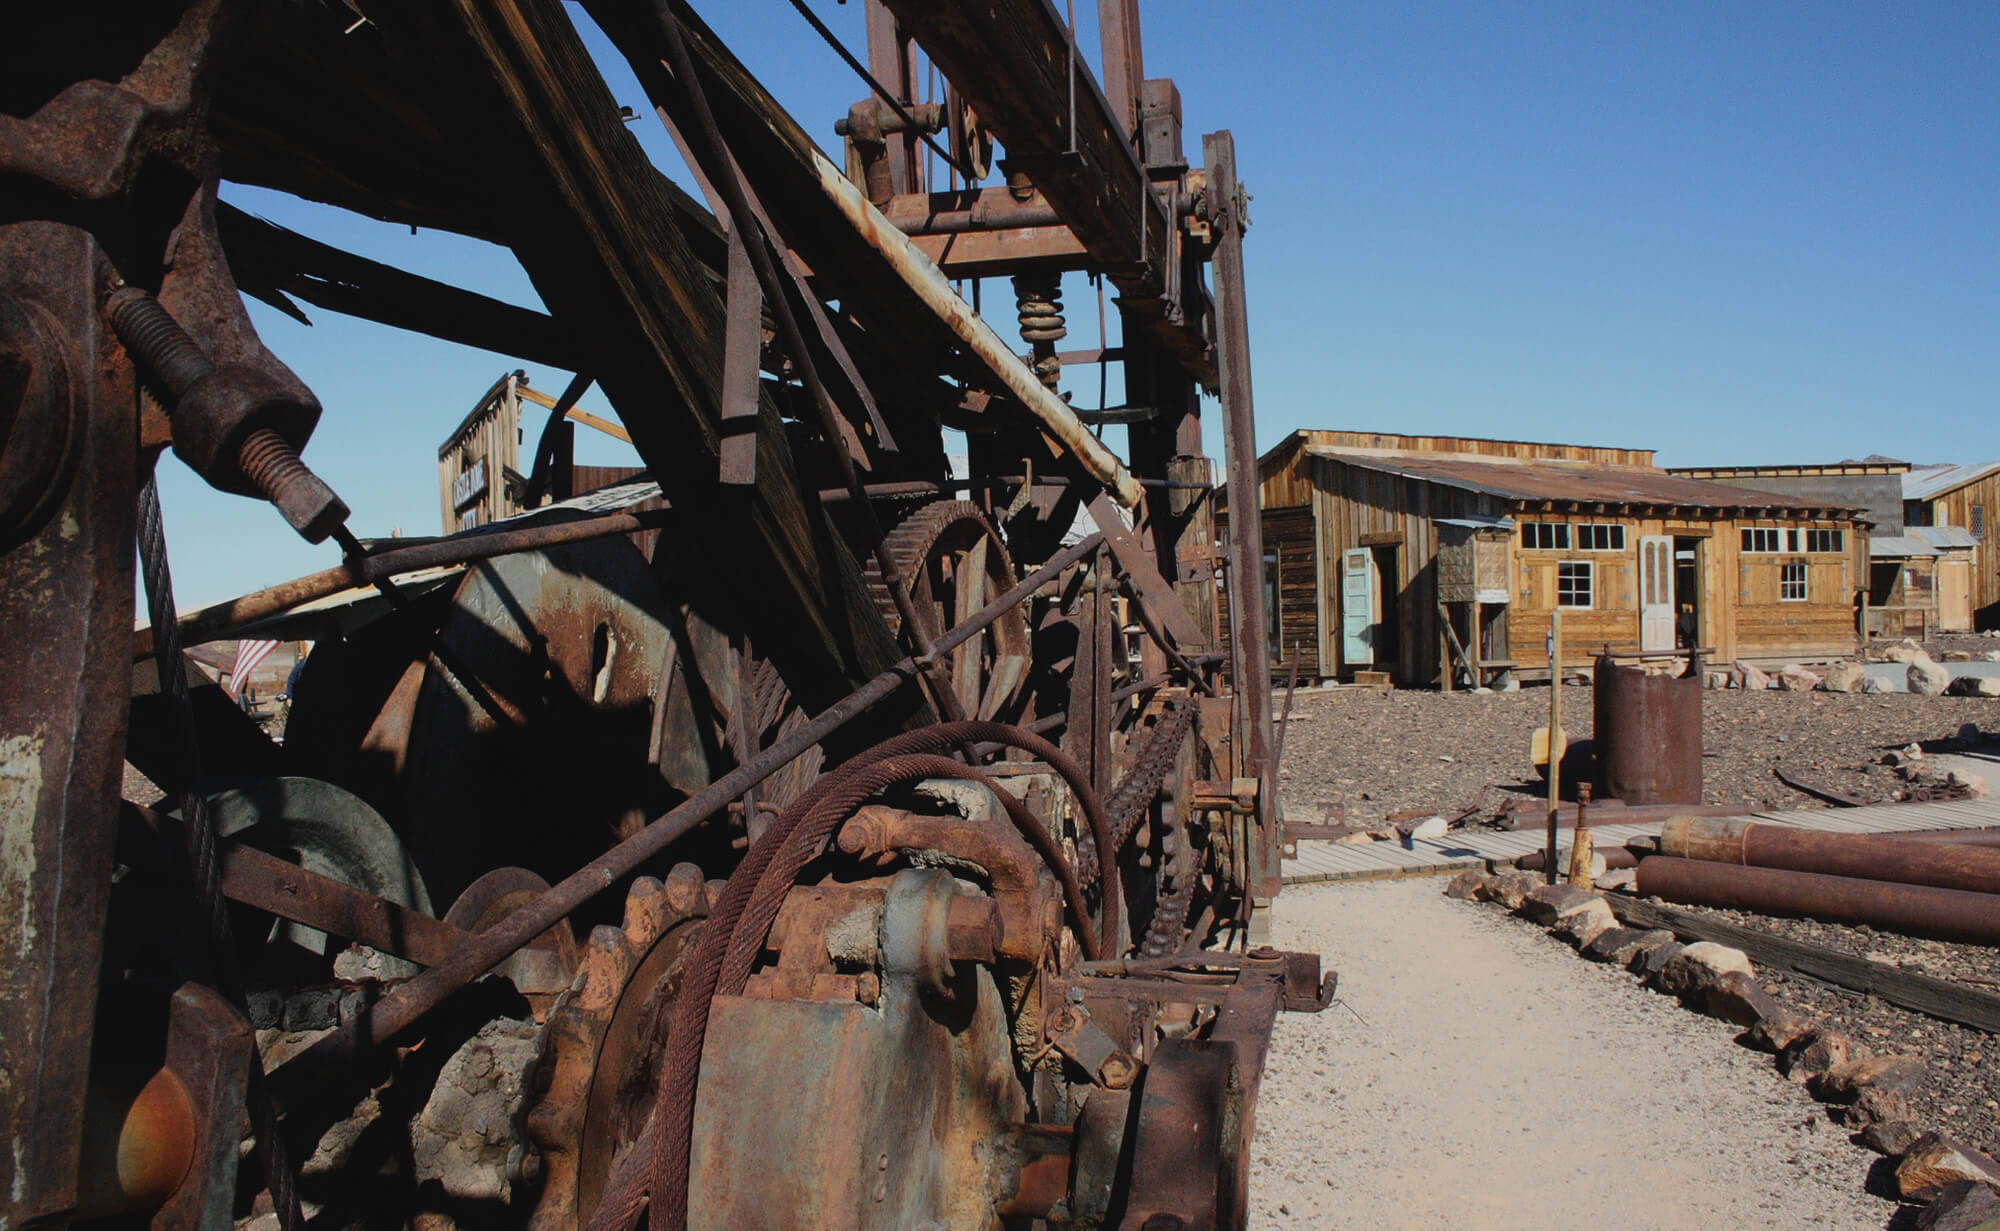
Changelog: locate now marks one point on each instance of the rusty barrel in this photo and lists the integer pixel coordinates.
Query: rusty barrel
(1647, 729)
(1915, 910)
(1975, 869)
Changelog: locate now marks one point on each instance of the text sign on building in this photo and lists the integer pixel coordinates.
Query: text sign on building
(469, 486)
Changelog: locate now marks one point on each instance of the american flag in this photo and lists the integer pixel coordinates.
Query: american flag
(248, 655)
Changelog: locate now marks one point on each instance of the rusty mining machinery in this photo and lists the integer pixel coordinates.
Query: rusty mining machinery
(796, 845)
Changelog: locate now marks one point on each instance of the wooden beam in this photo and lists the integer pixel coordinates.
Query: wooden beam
(1939, 998)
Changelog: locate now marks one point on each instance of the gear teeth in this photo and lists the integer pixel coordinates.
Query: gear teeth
(686, 891)
(715, 888)
(646, 912)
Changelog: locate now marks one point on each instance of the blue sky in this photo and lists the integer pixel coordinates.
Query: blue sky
(1730, 232)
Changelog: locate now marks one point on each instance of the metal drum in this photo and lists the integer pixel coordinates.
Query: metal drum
(1647, 731)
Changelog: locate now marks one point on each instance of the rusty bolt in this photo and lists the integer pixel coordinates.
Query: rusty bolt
(867, 990)
(1118, 1071)
(528, 1170)
(1063, 1020)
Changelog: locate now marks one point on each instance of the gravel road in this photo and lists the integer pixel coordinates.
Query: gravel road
(1476, 1074)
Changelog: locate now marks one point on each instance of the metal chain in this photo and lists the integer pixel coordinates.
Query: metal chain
(204, 861)
(1135, 791)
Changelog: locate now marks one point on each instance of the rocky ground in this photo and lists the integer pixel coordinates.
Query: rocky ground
(1377, 752)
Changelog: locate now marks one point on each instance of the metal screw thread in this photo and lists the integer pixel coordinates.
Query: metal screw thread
(270, 462)
(156, 339)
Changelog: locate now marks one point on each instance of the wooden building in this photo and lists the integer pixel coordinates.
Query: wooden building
(1920, 581)
(1964, 497)
(480, 476)
(1397, 553)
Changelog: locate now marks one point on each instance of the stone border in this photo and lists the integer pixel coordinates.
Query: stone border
(1958, 1186)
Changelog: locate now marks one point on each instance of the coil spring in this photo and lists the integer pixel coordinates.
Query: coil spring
(1038, 305)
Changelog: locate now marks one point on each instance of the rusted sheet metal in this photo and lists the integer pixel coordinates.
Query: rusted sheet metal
(1647, 729)
(1867, 856)
(254, 878)
(1535, 480)
(1918, 910)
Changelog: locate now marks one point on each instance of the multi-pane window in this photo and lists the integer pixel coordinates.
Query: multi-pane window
(1762, 538)
(1826, 541)
(1545, 535)
(1978, 519)
(1573, 583)
(1596, 537)
(1792, 583)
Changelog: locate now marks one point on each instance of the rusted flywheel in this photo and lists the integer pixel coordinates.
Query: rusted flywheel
(595, 1083)
(955, 564)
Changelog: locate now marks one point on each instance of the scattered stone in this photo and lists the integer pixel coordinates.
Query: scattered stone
(1736, 998)
(1972, 784)
(1956, 656)
(1990, 656)
(1815, 1052)
(1927, 678)
(1777, 1031)
(1962, 1205)
(1586, 924)
(1905, 651)
(1795, 678)
(1913, 751)
(1844, 677)
(1618, 878)
(1974, 686)
(1890, 1138)
(1509, 889)
(1843, 1083)
(1715, 681)
(1548, 904)
(1619, 945)
(1871, 685)
(1357, 838)
(1878, 1105)
(1699, 967)
(1747, 676)
(1465, 884)
(1935, 1160)
(1648, 963)
(1429, 827)
(1968, 732)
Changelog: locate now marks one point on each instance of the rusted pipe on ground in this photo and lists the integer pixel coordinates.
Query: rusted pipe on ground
(211, 623)
(1613, 856)
(1915, 910)
(399, 1010)
(1946, 865)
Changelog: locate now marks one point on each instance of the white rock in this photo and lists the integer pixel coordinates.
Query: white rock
(1748, 676)
(1975, 686)
(1794, 678)
(1844, 677)
(1429, 827)
(1872, 685)
(1905, 651)
(1926, 678)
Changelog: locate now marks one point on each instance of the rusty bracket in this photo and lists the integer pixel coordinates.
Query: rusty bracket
(210, 1048)
(1077, 1037)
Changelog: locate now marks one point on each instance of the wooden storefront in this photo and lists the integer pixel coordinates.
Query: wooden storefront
(1634, 558)
(1965, 498)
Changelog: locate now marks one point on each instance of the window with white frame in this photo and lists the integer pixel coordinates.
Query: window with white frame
(1545, 535)
(1834, 541)
(1600, 537)
(1573, 583)
(1792, 583)
(1762, 539)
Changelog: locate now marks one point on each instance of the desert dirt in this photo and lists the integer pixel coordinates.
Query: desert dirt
(1476, 1074)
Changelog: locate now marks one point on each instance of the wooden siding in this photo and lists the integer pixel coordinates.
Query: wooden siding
(1954, 508)
(1532, 449)
(1288, 535)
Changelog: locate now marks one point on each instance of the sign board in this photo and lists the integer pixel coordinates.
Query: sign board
(470, 485)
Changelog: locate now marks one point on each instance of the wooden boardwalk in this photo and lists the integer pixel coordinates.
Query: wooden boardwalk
(1487, 848)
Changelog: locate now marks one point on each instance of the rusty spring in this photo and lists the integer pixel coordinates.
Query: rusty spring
(1038, 307)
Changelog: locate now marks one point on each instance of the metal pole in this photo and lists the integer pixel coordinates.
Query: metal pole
(1556, 740)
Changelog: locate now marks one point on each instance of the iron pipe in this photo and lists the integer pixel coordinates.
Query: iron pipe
(211, 623)
(396, 1012)
(1915, 910)
(1975, 869)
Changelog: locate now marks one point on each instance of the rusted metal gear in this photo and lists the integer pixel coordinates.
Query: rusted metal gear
(955, 564)
(595, 1082)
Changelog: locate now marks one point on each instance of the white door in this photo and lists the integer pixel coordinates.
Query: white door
(1357, 607)
(1656, 593)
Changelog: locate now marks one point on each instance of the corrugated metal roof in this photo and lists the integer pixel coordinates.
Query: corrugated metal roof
(1930, 482)
(1477, 522)
(1566, 481)
(1897, 547)
(1943, 536)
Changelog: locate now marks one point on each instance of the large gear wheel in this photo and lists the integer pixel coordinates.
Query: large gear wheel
(596, 1078)
(955, 564)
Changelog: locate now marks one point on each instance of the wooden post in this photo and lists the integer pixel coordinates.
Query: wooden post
(1478, 635)
(1444, 649)
(1557, 744)
(1580, 851)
